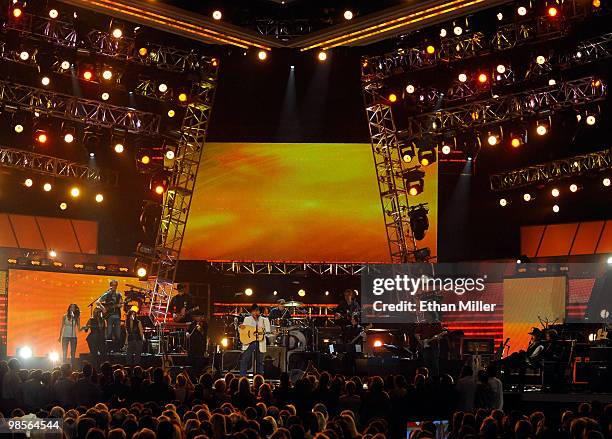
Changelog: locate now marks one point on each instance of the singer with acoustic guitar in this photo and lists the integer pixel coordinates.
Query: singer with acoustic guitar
(110, 302)
(253, 333)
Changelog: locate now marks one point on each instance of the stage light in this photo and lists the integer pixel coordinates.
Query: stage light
(262, 55)
(410, 89)
(322, 55)
(63, 206)
(28, 182)
(522, 11)
(407, 152)
(555, 192)
(53, 13)
(163, 88)
(248, 292)
(591, 120)
(52, 253)
(552, 82)
(516, 141)
(606, 181)
(540, 60)
(501, 69)
(224, 342)
(54, 357)
(143, 51)
(45, 81)
(527, 196)
(141, 272)
(348, 14)
(552, 11)
(107, 74)
(17, 12)
(427, 156)
(302, 293)
(87, 75)
(555, 208)
(170, 154)
(443, 33)
(493, 139)
(41, 137)
(542, 128)
(378, 343)
(117, 33)
(65, 65)
(503, 202)
(47, 187)
(19, 128)
(105, 96)
(25, 352)
(430, 50)
(182, 97)
(99, 198)
(275, 293)
(446, 149)
(75, 192)
(414, 180)
(24, 55)
(159, 189)
(392, 97)
(573, 188)
(92, 154)
(482, 78)
(145, 159)
(171, 113)
(119, 148)
(596, 3)
(462, 77)
(457, 30)
(217, 15)
(609, 260)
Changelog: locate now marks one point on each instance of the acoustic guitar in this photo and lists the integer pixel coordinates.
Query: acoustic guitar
(249, 334)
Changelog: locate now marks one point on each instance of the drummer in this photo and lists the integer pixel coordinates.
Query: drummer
(280, 313)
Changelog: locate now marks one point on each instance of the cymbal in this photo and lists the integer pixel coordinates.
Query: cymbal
(293, 304)
(377, 330)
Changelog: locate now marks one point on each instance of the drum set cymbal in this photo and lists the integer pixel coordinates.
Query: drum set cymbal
(293, 304)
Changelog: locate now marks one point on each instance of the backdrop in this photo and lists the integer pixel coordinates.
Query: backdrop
(293, 202)
(39, 299)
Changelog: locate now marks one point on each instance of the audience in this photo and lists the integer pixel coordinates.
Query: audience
(120, 402)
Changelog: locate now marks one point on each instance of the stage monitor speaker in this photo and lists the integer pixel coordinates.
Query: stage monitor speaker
(230, 361)
(275, 361)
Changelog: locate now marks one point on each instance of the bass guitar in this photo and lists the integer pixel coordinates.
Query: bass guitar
(184, 313)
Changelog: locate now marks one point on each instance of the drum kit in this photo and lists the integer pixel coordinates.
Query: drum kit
(293, 333)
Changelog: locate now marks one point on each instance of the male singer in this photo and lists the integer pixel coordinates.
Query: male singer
(259, 348)
(112, 300)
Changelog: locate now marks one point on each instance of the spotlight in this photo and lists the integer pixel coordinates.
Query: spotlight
(493, 139)
(275, 293)
(517, 140)
(482, 78)
(419, 223)
(54, 357)
(65, 65)
(540, 60)
(427, 156)
(107, 74)
(119, 148)
(24, 352)
(430, 50)
(171, 113)
(446, 149)
(606, 181)
(63, 206)
(596, 3)
(410, 89)
(407, 152)
(19, 128)
(552, 11)
(143, 51)
(262, 55)
(248, 292)
(591, 120)
(159, 189)
(573, 188)
(17, 12)
(552, 81)
(45, 81)
(28, 182)
(47, 187)
(75, 192)
(87, 75)
(542, 128)
(105, 96)
(392, 97)
(141, 272)
(182, 97)
(24, 55)
(522, 11)
(217, 15)
(462, 77)
(53, 13)
(52, 253)
(322, 56)
(41, 137)
(555, 192)
(99, 198)
(457, 30)
(170, 154)
(117, 33)
(348, 14)
(163, 88)
(501, 69)
(92, 154)
(527, 197)
(224, 342)
(415, 181)
(556, 208)
(503, 202)
(145, 159)
(159, 183)
(443, 32)
(500, 16)
(302, 293)
(378, 343)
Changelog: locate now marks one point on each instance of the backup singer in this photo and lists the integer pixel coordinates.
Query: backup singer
(69, 331)
(110, 302)
(135, 337)
(96, 337)
(258, 348)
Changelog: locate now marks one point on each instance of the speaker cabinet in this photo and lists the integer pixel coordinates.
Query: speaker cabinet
(230, 361)
(275, 361)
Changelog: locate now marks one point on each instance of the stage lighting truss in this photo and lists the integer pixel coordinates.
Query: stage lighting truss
(497, 110)
(64, 34)
(55, 167)
(283, 29)
(77, 109)
(389, 173)
(150, 88)
(287, 268)
(592, 163)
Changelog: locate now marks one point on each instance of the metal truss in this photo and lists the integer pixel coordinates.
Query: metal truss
(283, 29)
(555, 170)
(542, 101)
(177, 200)
(54, 167)
(286, 268)
(64, 34)
(389, 173)
(78, 109)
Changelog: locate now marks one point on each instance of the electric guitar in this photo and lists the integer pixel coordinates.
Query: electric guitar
(184, 313)
(361, 334)
(426, 341)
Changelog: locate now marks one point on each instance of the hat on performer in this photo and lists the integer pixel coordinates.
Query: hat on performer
(281, 301)
(535, 331)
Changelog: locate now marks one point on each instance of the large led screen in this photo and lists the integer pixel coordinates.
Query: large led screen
(293, 202)
(37, 300)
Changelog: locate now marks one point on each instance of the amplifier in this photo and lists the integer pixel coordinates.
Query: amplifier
(230, 361)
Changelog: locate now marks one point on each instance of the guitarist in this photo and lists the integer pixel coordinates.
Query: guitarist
(110, 302)
(181, 305)
(262, 325)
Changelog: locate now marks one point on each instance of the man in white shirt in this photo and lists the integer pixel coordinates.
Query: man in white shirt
(258, 348)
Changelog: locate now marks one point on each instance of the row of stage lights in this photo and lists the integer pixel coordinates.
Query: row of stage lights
(249, 292)
(74, 192)
(555, 193)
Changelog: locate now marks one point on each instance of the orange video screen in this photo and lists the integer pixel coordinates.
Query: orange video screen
(294, 202)
(38, 300)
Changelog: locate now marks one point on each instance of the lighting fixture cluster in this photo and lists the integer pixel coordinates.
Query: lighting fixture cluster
(74, 191)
